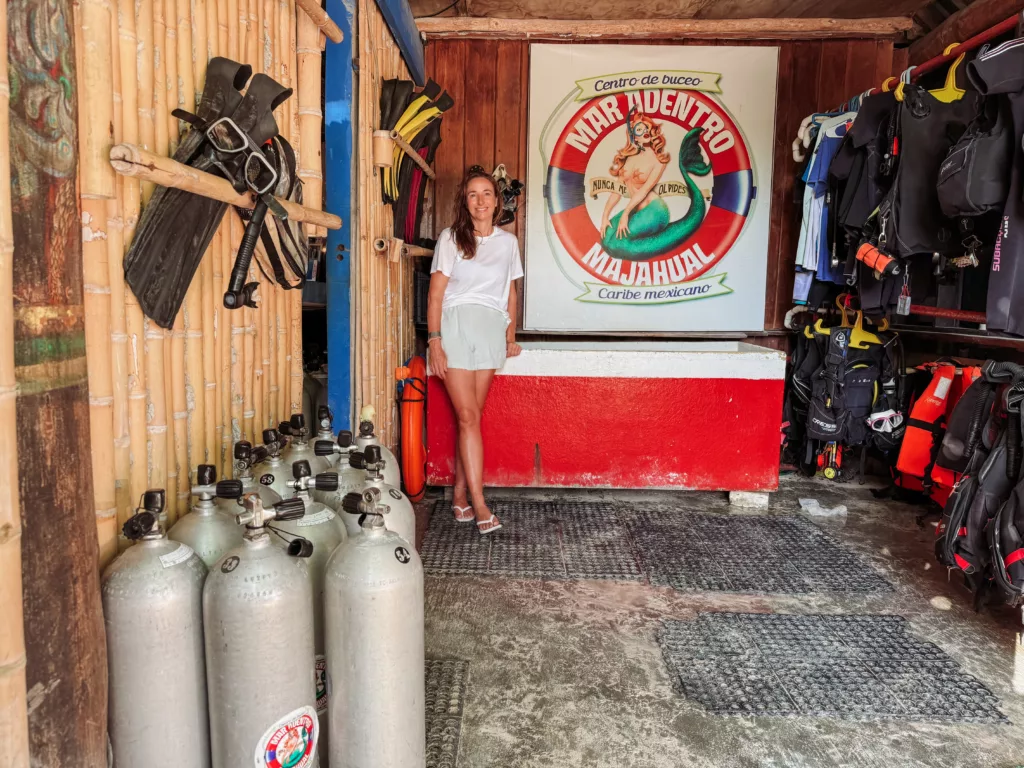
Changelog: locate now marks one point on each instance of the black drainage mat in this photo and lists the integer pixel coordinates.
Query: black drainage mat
(730, 553)
(684, 550)
(851, 667)
(537, 539)
(445, 693)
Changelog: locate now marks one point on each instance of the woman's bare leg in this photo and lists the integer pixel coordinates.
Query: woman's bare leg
(461, 385)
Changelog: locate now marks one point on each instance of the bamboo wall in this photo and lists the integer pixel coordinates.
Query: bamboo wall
(162, 402)
(383, 336)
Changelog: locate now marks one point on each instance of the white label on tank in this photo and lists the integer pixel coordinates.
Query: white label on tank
(321, 684)
(942, 387)
(290, 742)
(323, 516)
(180, 555)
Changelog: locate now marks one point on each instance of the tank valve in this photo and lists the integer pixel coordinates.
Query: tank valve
(324, 419)
(146, 520)
(243, 456)
(256, 516)
(329, 447)
(297, 425)
(325, 481)
(366, 505)
(366, 429)
(370, 459)
(272, 442)
(207, 487)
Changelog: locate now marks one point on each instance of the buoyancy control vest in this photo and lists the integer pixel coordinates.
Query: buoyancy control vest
(926, 427)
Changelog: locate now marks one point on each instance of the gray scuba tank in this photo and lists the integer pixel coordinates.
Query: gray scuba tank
(373, 603)
(246, 457)
(153, 616)
(206, 529)
(349, 478)
(299, 447)
(325, 426)
(367, 437)
(275, 473)
(258, 614)
(321, 527)
(395, 507)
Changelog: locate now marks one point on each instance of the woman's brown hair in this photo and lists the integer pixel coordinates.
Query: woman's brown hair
(462, 229)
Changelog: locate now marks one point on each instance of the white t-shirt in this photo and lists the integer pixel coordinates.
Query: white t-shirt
(486, 278)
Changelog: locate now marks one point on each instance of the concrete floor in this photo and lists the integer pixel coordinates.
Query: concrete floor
(568, 673)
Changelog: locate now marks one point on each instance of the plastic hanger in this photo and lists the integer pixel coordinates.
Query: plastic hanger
(860, 338)
(904, 81)
(949, 93)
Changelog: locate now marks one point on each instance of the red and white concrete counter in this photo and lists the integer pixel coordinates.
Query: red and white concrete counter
(684, 415)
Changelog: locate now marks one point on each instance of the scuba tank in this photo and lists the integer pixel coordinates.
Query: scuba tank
(366, 437)
(245, 458)
(373, 605)
(153, 616)
(322, 528)
(258, 614)
(298, 448)
(276, 474)
(325, 424)
(399, 515)
(349, 478)
(210, 534)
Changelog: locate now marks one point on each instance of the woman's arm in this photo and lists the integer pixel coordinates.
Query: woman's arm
(511, 348)
(438, 359)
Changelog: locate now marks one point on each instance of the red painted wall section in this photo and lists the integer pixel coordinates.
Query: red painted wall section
(701, 434)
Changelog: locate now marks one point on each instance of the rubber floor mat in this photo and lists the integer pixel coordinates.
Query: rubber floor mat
(445, 694)
(850, 667)
(685, 550)
(536, 540)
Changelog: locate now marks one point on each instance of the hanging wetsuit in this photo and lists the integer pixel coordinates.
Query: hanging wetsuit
(928, 128)
(1001, 71)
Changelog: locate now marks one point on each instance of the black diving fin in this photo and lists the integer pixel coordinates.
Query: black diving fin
(176, 227)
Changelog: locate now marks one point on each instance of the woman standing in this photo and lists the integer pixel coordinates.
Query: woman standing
(471, 326)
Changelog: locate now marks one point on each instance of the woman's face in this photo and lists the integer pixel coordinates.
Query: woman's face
(480, 200)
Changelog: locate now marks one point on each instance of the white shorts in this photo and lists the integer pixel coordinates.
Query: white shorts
(473, 337)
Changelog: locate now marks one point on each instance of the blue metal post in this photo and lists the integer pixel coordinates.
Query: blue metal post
(403, 28)
(338, 185)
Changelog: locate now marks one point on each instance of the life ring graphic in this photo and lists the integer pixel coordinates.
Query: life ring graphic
(679, 250)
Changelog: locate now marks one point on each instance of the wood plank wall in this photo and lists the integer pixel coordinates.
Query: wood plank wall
(382, 291)
(489, 81)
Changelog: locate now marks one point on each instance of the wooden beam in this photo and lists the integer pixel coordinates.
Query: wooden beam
(657, 29)
(961, 25)
(130, 160)
(319, 17)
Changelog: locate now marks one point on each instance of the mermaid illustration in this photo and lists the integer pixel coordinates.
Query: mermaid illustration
(643, 230)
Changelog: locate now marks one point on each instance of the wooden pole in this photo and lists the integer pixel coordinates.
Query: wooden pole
(171, 67)
(63, 622)
(96, 107)
(132, 160)
(142, 66)
(463, 27)
(311, 117)
(161, 111)
(13, 706)
(126, 111)
(313, 11)
(97, 86)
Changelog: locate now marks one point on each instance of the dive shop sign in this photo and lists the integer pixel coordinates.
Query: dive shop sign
(648, 179)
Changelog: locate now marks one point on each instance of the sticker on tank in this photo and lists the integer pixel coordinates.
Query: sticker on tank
(323, 516)
(267, 479)
(178, 556)
(321, 684)
(290, 742)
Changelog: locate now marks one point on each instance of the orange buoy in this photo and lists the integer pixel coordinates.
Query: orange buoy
(413, 404)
